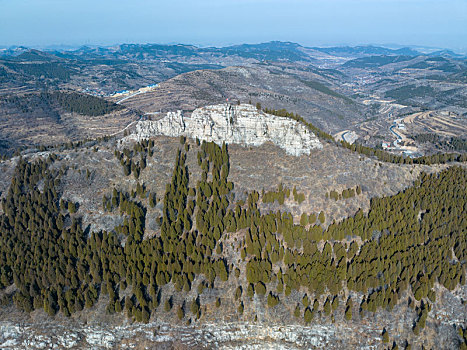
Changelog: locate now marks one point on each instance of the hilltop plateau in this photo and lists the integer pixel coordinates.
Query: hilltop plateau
(98, 179)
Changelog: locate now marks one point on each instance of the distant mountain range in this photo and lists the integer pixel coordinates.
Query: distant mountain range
(367, 51)
(270, 51)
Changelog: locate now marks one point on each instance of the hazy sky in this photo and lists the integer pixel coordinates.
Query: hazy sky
(441, 23)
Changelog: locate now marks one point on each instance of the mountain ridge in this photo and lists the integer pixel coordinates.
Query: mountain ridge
(266, 50)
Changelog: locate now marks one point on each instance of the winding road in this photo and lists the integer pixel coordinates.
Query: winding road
(343, 136)
(135, 93)
(126, 127)
(399, 137)
(129, 96)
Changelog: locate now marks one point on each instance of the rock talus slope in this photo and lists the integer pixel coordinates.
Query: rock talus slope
(241, 124)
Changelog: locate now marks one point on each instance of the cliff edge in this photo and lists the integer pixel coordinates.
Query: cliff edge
(242, 124)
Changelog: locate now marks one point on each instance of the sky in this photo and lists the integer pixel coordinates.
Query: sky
(41, 23)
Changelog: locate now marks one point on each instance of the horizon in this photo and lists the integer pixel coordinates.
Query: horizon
(206, 23)
(392, 46)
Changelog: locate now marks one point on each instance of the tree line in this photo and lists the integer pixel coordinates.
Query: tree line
(344, 194)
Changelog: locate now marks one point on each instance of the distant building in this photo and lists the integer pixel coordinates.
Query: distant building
(401, 126)
(385, 145)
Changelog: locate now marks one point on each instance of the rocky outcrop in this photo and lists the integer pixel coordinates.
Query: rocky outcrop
(242, 124)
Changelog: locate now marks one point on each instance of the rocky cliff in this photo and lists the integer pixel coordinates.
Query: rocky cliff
(242, 124)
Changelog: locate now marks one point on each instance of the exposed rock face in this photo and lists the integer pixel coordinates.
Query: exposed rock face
(242, 124)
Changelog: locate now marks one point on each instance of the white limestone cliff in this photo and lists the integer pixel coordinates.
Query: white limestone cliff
(242, 124)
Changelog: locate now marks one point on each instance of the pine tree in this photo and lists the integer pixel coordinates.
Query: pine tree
(71, 207)
(385, 336)
(180, 313)
(308, 315)
(321, 217)
(297, 311)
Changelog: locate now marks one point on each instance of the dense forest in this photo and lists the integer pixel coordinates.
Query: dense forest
(50, 103)
(453, 143)
(394, 253)
(81, 103)
(46, 70)
(410, 91)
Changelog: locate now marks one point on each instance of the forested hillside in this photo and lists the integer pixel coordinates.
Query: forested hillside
(395, 253)
(81, 103)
